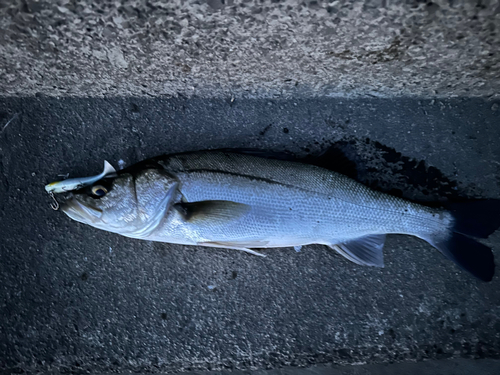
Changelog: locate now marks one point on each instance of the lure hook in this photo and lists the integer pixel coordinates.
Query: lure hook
(55, 203)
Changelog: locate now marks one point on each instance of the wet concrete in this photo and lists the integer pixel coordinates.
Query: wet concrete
(75, 299)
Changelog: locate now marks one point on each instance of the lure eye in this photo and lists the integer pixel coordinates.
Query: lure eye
(99, 190)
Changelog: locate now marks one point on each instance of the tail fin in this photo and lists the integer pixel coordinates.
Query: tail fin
(469, 255)
(476, 219)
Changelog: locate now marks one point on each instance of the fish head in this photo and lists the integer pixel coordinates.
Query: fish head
(131, 204)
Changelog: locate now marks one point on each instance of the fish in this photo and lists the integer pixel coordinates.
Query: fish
(244, 202)
(78, 183)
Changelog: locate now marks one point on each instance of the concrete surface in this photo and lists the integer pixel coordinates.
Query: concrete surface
(75, 299)
(442, 367)
(215, 48)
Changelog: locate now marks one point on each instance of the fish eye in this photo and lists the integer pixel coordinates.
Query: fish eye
(99, 190)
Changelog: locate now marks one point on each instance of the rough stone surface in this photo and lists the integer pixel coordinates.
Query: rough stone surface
(275, 48)
(443, 367)
(75, 299)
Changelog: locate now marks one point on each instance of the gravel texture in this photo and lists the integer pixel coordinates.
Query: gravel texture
(268, 49)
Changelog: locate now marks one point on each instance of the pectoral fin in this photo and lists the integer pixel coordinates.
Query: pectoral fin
(212, 212)
(365, 251)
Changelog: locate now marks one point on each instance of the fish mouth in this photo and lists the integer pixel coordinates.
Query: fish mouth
(81, 212)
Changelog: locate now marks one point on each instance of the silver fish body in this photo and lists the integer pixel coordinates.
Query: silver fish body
(245, 202)
(290, 204)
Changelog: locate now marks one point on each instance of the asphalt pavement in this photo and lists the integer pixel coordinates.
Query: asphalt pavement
(76, 299)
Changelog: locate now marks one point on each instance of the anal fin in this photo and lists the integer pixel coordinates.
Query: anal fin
(365, 251)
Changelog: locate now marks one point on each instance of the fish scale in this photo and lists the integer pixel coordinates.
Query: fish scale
(291, 202)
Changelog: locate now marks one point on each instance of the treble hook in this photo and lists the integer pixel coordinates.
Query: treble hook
(55, 204)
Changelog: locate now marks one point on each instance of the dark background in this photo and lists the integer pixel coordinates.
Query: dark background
(73, 298)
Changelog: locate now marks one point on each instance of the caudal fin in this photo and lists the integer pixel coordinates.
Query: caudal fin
(469, 255)
(476, 219)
